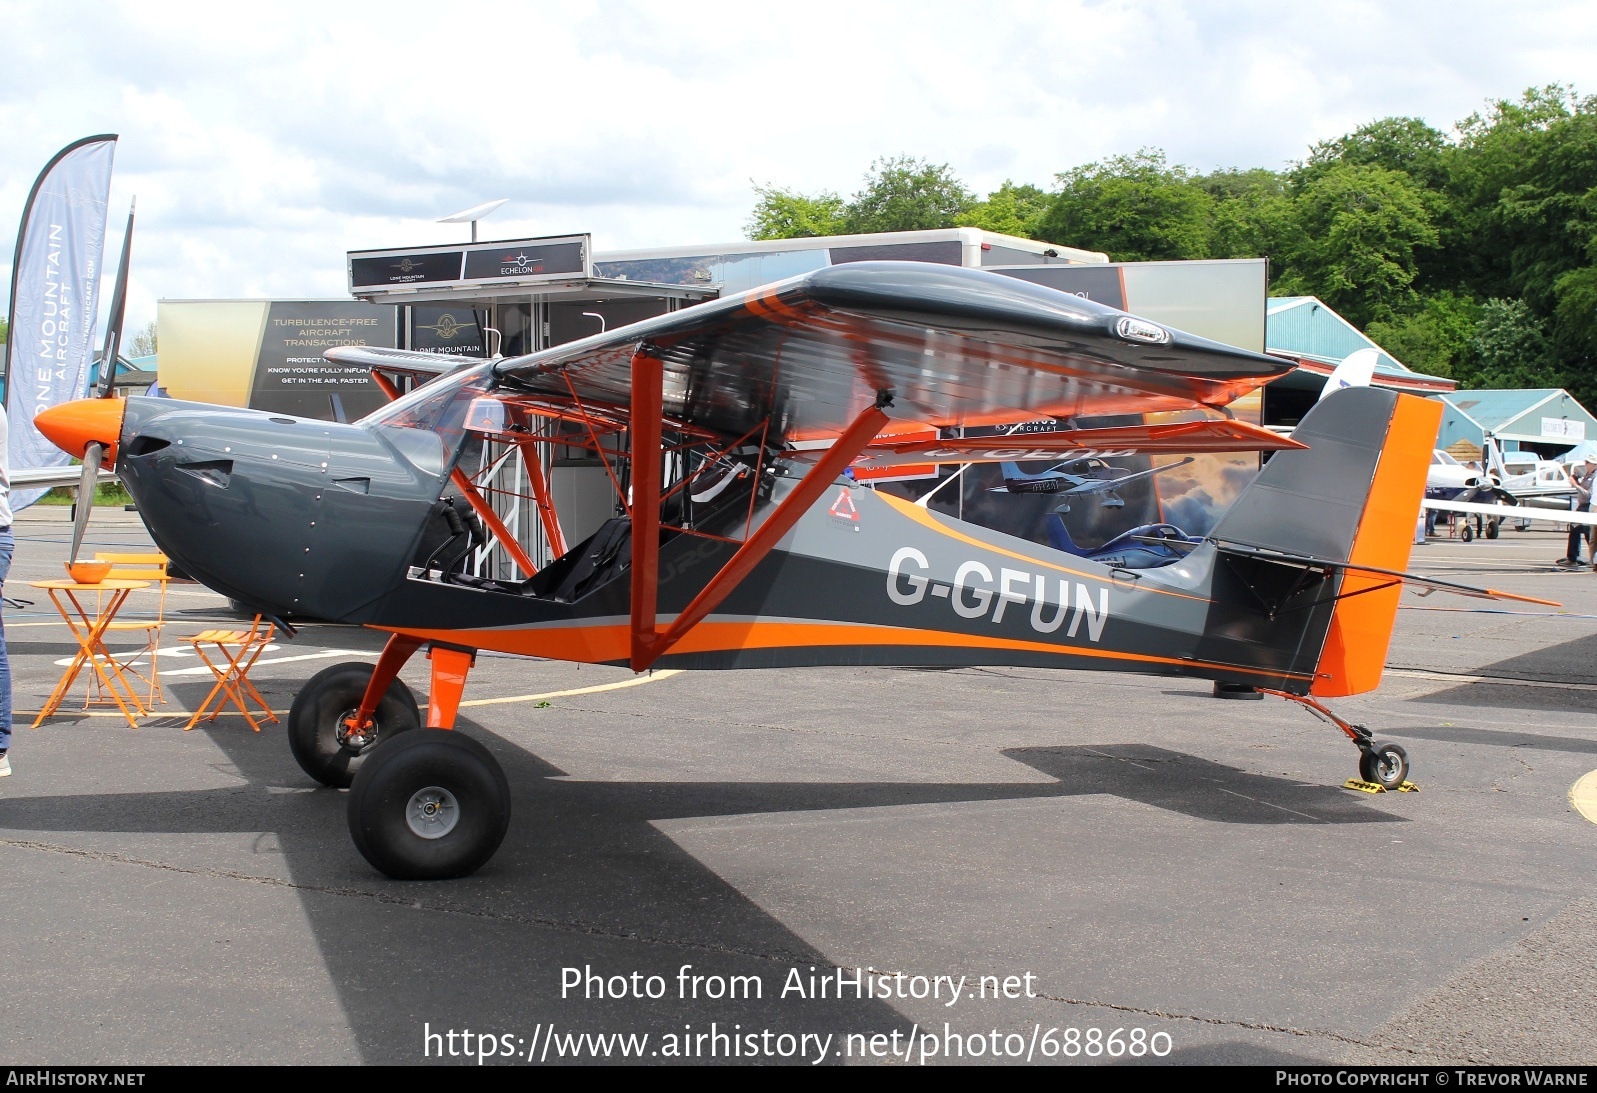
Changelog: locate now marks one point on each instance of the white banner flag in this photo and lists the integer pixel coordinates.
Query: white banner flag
(55, 295)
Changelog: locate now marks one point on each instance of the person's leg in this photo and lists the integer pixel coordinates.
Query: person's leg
(1572, 550)
(7, 545)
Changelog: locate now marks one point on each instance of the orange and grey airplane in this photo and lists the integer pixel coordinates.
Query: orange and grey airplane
(740, 537)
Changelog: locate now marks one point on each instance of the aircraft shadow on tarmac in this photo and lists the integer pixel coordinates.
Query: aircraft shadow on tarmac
(1567, 662)
(586, 878)
(1496, 738)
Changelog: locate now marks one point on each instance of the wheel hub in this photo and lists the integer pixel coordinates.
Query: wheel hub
(355, 740)
(432, 812)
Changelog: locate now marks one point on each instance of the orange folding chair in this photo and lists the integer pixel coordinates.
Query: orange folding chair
(141, 567)
(236, 652)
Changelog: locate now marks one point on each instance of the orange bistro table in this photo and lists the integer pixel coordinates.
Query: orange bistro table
(88, 624)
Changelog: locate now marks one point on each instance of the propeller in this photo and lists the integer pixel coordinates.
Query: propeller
(94, 451)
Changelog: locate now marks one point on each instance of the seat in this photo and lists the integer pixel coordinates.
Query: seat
(606, 552)
(236, 652)
(141, 567)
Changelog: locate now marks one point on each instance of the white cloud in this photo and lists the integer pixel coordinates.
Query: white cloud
(265, 141)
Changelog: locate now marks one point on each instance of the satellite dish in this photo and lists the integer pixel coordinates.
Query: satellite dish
(476, 212)
(473, 214)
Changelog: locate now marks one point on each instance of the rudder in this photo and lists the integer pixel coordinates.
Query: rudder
(1352, 496)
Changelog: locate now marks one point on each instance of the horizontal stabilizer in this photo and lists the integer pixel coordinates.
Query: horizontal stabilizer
(1418, 580)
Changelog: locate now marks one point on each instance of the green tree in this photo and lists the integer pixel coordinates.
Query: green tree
(1495, 152)
(1009, 210)
(785, 214)
(1253, 215)
(1361, 230)
(1510, 348)
(1409, 145)
(1436, 339)
(902, 193)
(1525, 182)
(1136, 208)
(144, 343)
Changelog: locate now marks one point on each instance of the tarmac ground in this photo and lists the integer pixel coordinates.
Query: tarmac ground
(1092, 852)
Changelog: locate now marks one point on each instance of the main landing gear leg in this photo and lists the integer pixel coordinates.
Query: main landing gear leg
(344, 710)
(1380, 763)
(450, 668)
(432, 803)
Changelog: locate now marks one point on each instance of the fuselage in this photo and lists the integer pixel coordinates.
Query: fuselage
(324, 520)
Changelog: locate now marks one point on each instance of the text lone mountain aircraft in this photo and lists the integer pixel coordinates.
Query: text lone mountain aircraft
(787, 561)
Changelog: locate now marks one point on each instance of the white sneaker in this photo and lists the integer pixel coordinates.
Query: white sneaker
(5, 766)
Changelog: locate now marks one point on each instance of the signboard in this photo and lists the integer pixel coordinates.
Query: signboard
(416, 268)
(513, 261)
(55, 288)
(267, 354)
(292, 376)
(526, 258)
(455, 330)
(1563, 428)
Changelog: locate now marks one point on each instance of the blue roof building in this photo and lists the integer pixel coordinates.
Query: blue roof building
(1547, 421)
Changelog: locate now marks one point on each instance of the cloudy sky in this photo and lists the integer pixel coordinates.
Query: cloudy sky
(265, 140)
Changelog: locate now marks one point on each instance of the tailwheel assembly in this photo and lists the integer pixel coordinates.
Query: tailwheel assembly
(429, 805)
(328, 738)
(1383, 766)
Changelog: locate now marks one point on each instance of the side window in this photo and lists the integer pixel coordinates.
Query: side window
(427, 426)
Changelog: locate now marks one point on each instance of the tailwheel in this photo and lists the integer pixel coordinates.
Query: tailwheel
(320, 731)
(1384, 764)
(429, 805)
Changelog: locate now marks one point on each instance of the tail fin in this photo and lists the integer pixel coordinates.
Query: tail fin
(1352, 496)
(1059, 535)
(1356, 370)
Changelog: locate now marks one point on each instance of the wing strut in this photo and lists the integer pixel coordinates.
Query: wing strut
(648, 642)
(540, 496)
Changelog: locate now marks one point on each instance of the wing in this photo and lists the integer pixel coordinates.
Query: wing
(405, 362)
(1187, 436)
(1514, 512)
(950, 346)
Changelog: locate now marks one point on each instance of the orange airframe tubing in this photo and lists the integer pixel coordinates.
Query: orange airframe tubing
(450, 667)
(488, 516)
(648, 396)
(1361, 625)
(540, 497)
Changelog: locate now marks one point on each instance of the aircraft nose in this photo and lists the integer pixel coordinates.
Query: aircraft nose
(72, 426)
